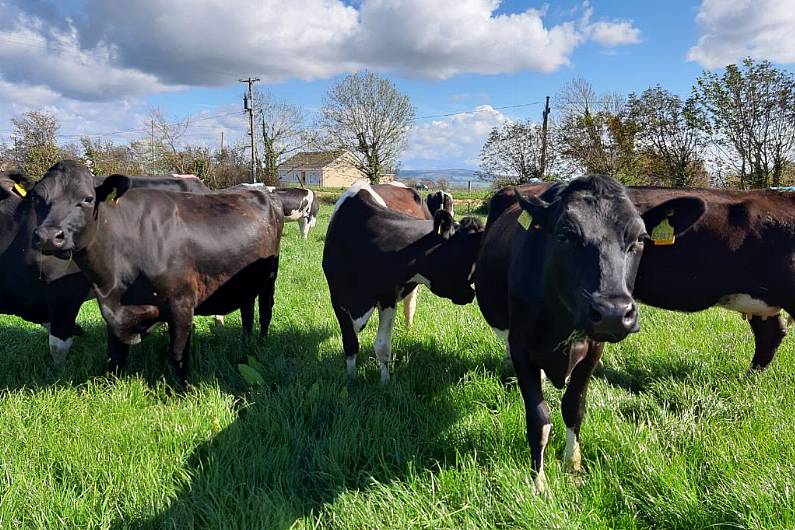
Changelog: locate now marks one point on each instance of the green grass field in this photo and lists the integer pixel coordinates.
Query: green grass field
(674, 436)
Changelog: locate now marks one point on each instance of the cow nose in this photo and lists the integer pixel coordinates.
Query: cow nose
(47, 238)
(613, 319)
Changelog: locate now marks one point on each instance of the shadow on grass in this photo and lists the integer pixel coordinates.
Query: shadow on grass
(638, 379)
(308, 436)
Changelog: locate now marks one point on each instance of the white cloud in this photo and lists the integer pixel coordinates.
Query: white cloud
(732, 30)
(453, 138)
(612, 34)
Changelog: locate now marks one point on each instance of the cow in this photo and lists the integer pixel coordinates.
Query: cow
(300, 204)
(373, 256)
(554, 277)
(440, 200)
(741, 231)
(43, 289)
(160, 256)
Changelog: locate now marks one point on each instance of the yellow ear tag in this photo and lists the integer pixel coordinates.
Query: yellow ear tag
(20, 190)
(663, 234)
(525, 220)
(439, 230)
(113, 198)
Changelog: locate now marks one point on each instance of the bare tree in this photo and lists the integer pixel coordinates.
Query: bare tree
(282, 129)
(596, 133)
(512, 154)
(751, 114)
(167, 142)
(670, 136)
(367, 116)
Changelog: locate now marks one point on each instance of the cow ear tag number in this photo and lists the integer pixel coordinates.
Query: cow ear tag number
(663, 234)
(20, 190)
(525, 220)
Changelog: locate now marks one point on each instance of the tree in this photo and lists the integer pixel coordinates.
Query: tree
(365, 115)
(597, 134)
(443, 184)
(167, 144)
(750, 112)
(512, 154)
(670, 137)
(282, 131)
(36, 148)
(105, 158)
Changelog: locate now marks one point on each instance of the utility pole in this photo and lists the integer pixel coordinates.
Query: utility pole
(248, 105)
(544, 140)
(222, 141)
(152, 145)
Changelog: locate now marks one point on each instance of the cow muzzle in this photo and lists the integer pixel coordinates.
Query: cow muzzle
(49, 240)
(612, 319)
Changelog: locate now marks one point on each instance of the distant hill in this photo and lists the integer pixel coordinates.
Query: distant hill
(457, 178)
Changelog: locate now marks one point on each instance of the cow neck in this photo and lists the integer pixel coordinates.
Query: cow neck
(93, 258)
(419, 252)
(10, 221)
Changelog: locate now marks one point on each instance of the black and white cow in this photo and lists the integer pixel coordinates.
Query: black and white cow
(440, 200)
(300, 205)
(160, 256)
(555, 277)
(374, 256)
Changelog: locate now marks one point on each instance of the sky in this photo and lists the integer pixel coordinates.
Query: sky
(99, 66)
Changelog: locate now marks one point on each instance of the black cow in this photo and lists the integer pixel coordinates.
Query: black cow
(300, 204)
(741, 231)
(555, 277)
(44, 289)
(161, 256)
(440, 200)
(373, 256)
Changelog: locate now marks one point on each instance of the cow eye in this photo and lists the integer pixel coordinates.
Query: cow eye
(637, 245)
(88, 200)
(566, 236)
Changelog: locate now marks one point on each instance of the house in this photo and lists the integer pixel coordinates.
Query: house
(332, 169)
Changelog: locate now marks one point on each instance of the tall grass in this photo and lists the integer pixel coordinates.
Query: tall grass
(675, 436)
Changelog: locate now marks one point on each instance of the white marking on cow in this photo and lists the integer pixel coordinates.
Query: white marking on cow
(350, 363)
(410, 306)
(383, 341)
(218, 320)
(748, 305)
(359, 323)
(355, 188)
(540, 481)
(59, 349)
(573, 450)
(304, 226)
(294, 215)
(397, 184)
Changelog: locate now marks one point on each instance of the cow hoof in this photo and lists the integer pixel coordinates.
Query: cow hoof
(384, 373)
(351, 367)
(540, 484)
(59, 349)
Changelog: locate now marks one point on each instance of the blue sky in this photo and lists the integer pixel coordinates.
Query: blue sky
(98, 66)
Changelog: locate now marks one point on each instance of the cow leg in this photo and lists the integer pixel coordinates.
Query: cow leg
(383, 341)
(573, 402)
(180, 328)
(410, 306)
(266, 294)
(768, 334)
(350, 342)
(63, 314)
(537, 416)
(117, 353)
(303, 225)
(247, 317)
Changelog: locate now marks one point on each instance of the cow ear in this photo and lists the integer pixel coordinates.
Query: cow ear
(443, 224)
(535, 211)
(112, 188)
(665, 221)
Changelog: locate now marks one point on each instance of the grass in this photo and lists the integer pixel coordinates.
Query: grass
(674, 436)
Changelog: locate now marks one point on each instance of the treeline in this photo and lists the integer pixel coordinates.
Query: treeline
(736, 129)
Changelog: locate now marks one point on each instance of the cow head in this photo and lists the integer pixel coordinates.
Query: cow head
(66, 204)
(585, 239)
(14, 184)
(448, 268)
(439, 200)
